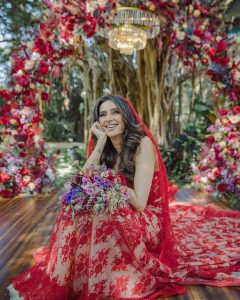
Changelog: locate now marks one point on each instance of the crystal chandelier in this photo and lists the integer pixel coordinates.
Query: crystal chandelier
(128, 28)
(126, 38)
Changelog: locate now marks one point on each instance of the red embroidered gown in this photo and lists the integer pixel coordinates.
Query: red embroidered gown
(121, 256)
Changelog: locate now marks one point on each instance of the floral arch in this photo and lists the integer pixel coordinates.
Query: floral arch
(195, 36)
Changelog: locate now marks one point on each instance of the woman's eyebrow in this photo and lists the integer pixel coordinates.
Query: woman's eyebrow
(103, 111)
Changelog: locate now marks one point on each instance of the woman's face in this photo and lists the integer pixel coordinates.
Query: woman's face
(111, 119)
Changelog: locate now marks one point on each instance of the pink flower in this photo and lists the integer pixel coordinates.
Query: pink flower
(196, 178)
(4, 177)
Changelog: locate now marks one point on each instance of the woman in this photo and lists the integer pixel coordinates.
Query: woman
(136, 252)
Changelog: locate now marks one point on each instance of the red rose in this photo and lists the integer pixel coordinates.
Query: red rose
(211, 139)
(39, 46)
(44, 96)
(23, 80)
(232, 136)
(22, 154)
(43, 68)
(18, 63)
(24, 171)
(5, 95)
(89, 29)
(36, 119)
(221, 46)
(221, 187)
(20, 145)
(6, 193)
(223, 111)
(49, 48)
(28, 102)
(216, 173)
(236, 109)
(199, 33)
(123, 179)
(221, 60)
(211, 52)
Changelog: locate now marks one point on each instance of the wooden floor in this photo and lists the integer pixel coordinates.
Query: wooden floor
(25, 226)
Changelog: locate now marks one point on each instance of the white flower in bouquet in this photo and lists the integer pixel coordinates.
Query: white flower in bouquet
(18, 88)
(204, 180)
(20, 72)
(234, 119)
(29, 64)
(218, 137)
(218, 123)
(35, 57)
(222, 144)
(236, 145)
(31, 186)
(26, 178)
(50, 175)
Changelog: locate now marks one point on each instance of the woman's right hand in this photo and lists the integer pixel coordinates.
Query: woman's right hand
(97, 130)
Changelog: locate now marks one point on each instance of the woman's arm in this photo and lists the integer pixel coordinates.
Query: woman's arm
(94, 158)
(145, 162)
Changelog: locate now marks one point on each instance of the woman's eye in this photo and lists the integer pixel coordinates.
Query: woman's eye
(116, 112)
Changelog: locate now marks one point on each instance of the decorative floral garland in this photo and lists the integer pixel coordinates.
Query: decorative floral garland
(218, 172)
(191, 28)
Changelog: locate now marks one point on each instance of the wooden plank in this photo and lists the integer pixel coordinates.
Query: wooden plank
(25, 226)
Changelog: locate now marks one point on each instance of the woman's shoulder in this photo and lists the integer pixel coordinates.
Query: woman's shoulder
(146, 141)
(145, 146)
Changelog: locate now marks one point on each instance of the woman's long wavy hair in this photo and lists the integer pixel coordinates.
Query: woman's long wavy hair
(131, 138)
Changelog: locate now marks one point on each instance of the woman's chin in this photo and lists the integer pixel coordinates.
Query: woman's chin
(113, 134)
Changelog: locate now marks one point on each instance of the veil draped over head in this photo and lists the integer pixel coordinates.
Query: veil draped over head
(169, 253)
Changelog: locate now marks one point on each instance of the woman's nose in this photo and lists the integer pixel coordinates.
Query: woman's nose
(109, 117)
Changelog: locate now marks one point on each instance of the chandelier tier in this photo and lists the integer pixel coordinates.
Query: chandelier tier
(128, 28)
(126, 38)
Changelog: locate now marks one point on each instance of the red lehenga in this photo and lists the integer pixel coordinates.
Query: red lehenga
(136, 255)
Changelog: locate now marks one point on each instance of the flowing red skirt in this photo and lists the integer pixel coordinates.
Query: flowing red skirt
(119, 256)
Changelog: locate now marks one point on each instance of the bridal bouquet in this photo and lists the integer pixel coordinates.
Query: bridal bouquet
(95, 190)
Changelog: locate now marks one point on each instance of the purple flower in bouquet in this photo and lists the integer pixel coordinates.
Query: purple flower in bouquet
(71, 195)
(102, 182)
(95, 190)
